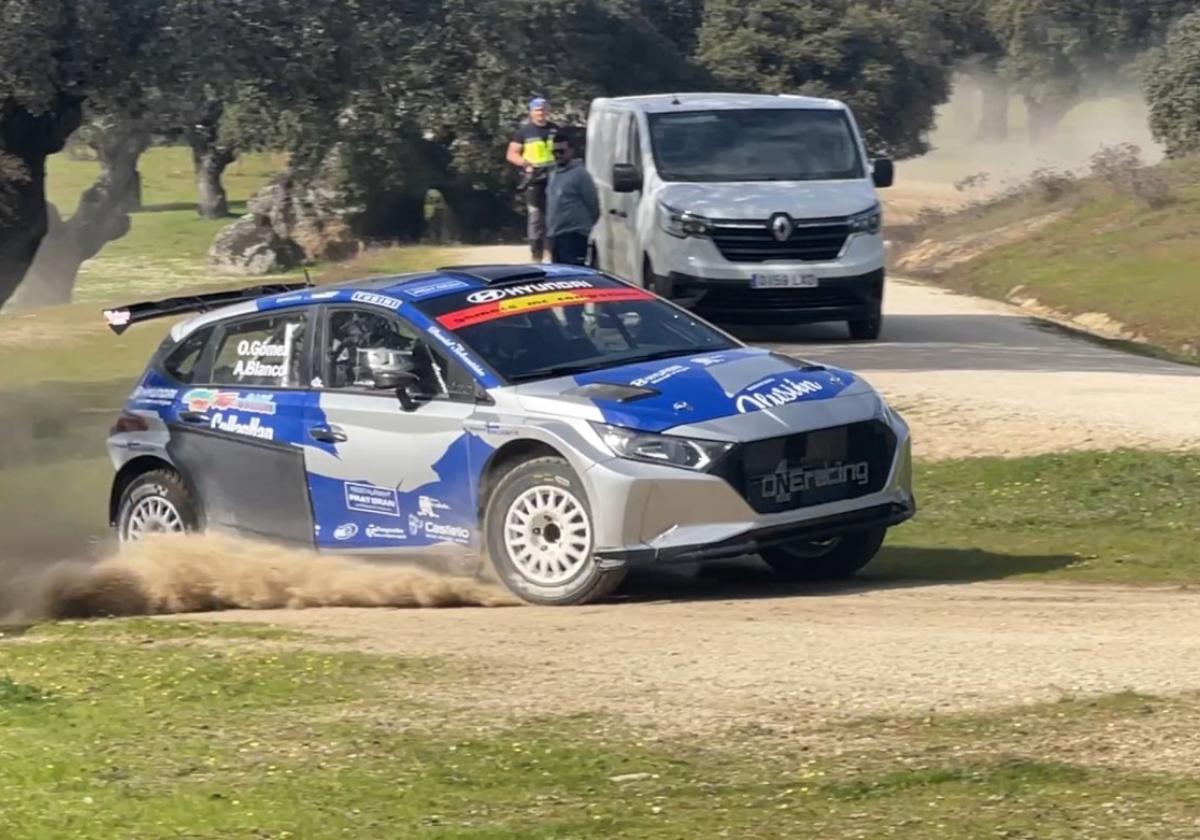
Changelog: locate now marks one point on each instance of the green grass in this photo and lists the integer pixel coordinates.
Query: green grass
(121, 731)
(1125, 516)
(1109, 253)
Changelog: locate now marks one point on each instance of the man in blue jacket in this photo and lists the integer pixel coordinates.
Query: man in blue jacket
(572, 207)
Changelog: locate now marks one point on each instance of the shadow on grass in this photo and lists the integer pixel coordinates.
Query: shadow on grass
(899, 567)
(236, 208)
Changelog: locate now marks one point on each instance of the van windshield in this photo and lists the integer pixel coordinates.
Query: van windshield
(766, 144)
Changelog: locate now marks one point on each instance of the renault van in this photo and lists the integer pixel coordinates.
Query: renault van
(748, 207)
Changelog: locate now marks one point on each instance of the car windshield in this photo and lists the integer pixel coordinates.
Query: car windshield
(563, 327)
(766, 144)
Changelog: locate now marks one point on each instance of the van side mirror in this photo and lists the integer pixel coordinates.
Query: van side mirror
(884, 173)
(626, 178)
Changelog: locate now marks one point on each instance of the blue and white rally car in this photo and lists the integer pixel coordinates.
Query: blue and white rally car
(561, 423)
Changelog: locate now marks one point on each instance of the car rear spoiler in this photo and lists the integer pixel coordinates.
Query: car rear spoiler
(123, 317)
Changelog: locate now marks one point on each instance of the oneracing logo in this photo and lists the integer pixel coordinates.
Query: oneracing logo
(782, 483)
(493, 295)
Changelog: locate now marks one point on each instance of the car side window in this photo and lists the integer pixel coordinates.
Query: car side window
(360, 343)
(182, 363)
(266, 352)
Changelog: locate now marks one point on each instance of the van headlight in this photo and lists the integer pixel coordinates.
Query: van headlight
(688, 453)
(869, 221)
(681, 224)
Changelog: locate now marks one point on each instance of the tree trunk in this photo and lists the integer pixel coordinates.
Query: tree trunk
(1045, 116)
(209, 159)
(993, 118)
(119, 150)
(23, 216)
(101, 217)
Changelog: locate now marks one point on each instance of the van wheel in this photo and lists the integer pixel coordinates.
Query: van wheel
(157, 502)
(867, 329)
(540, 536)
(837, 558)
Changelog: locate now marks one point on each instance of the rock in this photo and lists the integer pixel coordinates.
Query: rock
(250, 247)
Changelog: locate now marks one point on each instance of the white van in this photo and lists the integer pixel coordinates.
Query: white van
(750, 207)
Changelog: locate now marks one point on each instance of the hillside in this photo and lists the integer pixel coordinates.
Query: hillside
(1114, 253)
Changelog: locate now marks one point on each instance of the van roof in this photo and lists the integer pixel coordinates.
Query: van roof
(659, 102)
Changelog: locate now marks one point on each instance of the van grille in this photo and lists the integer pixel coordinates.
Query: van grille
(752, 242)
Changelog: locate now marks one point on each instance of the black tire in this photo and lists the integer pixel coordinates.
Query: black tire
(585, 584)
(866, 329)
(166, 487)
(840, 559)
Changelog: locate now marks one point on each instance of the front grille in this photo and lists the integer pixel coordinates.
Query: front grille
(812, 468)
(750, 242)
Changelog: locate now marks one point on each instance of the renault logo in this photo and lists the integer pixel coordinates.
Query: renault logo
(781, 227)
(486, 296)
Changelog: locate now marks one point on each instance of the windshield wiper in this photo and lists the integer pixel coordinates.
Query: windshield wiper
(551, 371)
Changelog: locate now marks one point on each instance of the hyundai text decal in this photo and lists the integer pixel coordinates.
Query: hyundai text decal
(784, 481)
(493, 295)
(776, 392)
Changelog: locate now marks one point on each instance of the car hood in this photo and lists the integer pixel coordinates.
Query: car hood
(689, 390)
(760, 199)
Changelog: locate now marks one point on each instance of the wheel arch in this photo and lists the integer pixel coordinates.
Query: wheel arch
(504, 458)
(131, 471)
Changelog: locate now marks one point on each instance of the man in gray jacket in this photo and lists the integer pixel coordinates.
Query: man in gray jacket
(571, 205)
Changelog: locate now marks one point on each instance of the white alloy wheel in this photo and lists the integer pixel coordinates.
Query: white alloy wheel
(548, 535)
(152, 515)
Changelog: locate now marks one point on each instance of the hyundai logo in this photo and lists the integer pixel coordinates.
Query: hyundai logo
(781, 227)
(486, 296)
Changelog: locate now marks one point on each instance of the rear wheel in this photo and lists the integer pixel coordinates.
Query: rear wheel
(866, 329)
(157, 502)
(540, 536)
(837, 558)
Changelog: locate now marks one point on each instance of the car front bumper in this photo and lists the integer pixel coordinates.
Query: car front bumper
(649, 514)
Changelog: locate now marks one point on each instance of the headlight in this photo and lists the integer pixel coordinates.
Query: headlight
(869, 221)
(662, 449)
(681, 224)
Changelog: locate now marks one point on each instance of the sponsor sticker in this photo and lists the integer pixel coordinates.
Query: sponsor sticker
(385, 301)
(116, 317)
(503, 303)
(708, 361)
(381, 532)
(367, 498)
(246, 428)
(776, 392)
(438, 531)
(323, 295)
(659, 376)
(783, 482)
(154, 396)
(429, 506)
(438, 286)
(203, 399)
(345, 532)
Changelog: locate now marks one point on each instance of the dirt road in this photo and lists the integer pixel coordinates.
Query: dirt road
(678, 661)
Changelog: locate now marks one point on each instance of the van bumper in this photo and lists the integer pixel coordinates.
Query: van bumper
(835, 299)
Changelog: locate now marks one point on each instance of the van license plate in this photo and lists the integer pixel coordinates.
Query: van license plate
(784, 280)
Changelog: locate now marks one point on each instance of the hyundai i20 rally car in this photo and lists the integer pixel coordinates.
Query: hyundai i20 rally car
(561, 423)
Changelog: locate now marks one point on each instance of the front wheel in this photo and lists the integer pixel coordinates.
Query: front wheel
(837, 558)
(540, 536)
(157, 502)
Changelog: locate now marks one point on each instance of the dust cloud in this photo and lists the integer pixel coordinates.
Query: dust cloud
(204, 573)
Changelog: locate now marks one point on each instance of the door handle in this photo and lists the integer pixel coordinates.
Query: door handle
(621, 214)
(327, 434)
(192, 417)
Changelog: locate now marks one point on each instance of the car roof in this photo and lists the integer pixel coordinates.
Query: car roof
(661, 102)
(386, 287)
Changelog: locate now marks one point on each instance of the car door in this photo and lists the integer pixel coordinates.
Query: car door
(235, 426)
(624, 212)
(383, 477)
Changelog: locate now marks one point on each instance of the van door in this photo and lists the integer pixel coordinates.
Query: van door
(623, 214)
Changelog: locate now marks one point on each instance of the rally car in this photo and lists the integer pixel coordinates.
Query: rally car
(557, 422)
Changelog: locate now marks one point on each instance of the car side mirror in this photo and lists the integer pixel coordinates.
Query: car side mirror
(626, 178)
(399, 381)
(884, 172)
